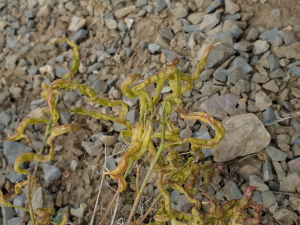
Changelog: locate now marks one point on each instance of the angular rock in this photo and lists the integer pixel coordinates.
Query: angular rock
(210, 21)
(231, 7)
(279, 171)
(268, 199)
(161, 5)
(215, 5)
(221, 106)
(267, 171)
(240, 64)
(295, 70)
(12, 150)
(258, 182)
(260, 47)
(51, 172)
(288, 52)
(180, 12)
(262, 101)
(91, 148)
(218, 55)
(76, 23)
(275, 154)
(273, 62)
(271, 86)
(247, 171)
(161, 42)
(269, 115)
(243, 46)
(248, 133)
(220, 74)
(252, 34)
(237, 75)
(231, 191)
(124, 11)
(260, 79)
(277, 73)
(167, 34)
(294, 165)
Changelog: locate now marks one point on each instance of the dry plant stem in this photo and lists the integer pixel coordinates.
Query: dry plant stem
(100, 187)
(150, 209)
(115, 196)
(115, 211)
(150, 171)
(41, 152)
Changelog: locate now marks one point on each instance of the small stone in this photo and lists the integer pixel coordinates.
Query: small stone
(153, 48)
(279, 171)
(268, 199)
(247, 171)
(267, 171)
(242, 86)
(111, 164)
(210, 21)
(271, 86)
(258, 182)
(180, 12)
(5, 118)
(184, 205)
(260, 79)
(111, 24)
(217, 55)
(278, 73)
(215, 5)
(100, 87)
(252, 34)
(160, 5)
(124, 11)
(91, 148)
(231, 7)
(108, 140)
(70, 6)
(79, 212)
(269, 115)
(161, 42)
(175, 195)
(15, 92)
(44, 11)
(231, 191)
(288, 52)
(51, 172)
(260, 47)
(262, 101)
(243, 46)
(250, 133)
(285, 216)
(76, 23)
(274, 186)
(196, 18)
(167, 33)
(12, 150)
(237, 75)
(70, 97)
(240, 64)
(141, 3)
(294, 165)
(269, 35)
(31, 4)
(15, 177)
(273, 62)
(220, 74)
(73, 165)
(295, 70)
(94, 67)
(64, 118)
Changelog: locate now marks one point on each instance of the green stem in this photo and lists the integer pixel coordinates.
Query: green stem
(38, 163)
(150, 171)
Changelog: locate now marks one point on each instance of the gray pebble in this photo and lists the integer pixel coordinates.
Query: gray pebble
(276, 154)
(51, 172)
(12, 150)
(161, 5)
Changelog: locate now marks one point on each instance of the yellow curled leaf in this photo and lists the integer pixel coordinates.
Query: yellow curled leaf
(65, 218)
(3, 200)
(76, 56)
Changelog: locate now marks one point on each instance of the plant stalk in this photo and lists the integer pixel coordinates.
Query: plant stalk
(150, 171)
(38, 163)
(115, 196)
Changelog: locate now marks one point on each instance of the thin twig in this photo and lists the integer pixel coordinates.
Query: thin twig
(287, 116)
(100, 187)
(115, 211)
(285, 193)
(105, 14)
